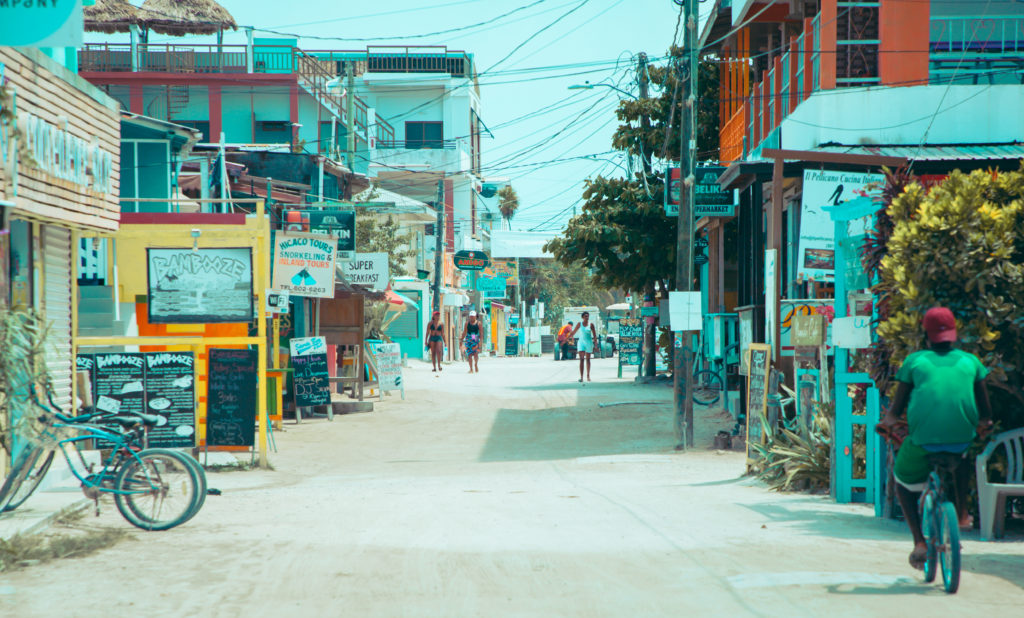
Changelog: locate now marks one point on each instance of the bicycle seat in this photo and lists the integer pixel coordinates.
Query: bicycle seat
(130, 420)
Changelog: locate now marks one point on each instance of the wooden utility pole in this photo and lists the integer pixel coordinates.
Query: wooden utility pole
(350, 117)
(682, 370)
(439, 247)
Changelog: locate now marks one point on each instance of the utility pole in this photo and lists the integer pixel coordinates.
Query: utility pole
(645, 120)
(439, 247)
(650, 341)
(350, 117)
(682, 371)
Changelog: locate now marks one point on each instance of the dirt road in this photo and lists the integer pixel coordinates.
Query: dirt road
(510, 493)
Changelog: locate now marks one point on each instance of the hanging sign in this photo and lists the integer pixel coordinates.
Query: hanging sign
(506, 268)
(24, 23)
(821, 189)
(370, 270)
(709, 199)
(337, 222)
(471, 260)
(304, 264)
(199, 286)
(491, 287)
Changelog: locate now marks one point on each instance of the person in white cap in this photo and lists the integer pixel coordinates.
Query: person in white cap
(471, 340)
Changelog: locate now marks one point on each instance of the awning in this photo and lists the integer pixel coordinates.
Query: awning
(937, 152)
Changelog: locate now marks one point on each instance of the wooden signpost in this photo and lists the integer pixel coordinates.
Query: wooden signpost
(759, 370)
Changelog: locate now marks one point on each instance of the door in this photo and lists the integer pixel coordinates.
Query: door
(57, 309)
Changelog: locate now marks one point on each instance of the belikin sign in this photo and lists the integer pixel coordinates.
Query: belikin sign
(471, 260)
(709, 199)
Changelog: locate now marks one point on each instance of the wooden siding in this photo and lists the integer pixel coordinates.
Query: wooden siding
(89, 115)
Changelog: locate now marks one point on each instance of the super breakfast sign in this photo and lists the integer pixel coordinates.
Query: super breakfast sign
(471, 260)
(304, 264)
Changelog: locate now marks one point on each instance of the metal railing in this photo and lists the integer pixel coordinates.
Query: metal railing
(984, 35)
(418, 144)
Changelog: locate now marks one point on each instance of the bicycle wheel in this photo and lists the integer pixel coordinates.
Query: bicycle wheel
(707, 387)
(201, 478)
(930, 530)
(158, 489)
(38, 467)
(949, 557)
(12, 482)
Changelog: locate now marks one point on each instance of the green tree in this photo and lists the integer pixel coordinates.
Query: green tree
(960, 245)
(559, 286)
(384, 235)
(509, 202)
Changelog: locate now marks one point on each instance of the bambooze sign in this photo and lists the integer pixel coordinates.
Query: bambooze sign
(369, 270)
(304, 264)
(471, 260)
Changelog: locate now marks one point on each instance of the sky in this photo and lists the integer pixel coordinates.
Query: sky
(547, 138)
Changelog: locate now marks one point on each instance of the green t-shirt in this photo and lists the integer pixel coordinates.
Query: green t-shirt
(942, 409)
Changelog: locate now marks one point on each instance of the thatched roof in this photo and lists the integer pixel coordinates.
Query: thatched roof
(182, 17)
(110, 16)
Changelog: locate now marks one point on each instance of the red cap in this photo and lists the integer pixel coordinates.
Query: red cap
(940, 325)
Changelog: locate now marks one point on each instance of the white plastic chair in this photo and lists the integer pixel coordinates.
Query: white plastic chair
(992, 496)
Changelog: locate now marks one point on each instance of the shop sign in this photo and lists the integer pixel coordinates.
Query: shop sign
(471, 260)
(370, 270)
(63, 155)
(304, 264)
(709, 199)
(200, 286)
(39, 23)
(631, 337)
(337, 222)
(506, 268)
(492, 287)
(823, 189)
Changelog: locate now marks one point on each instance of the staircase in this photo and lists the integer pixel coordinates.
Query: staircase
(177, 100)
(96, 315)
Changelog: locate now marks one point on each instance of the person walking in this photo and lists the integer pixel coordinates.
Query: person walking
(471, 339)
(585, 345)
(942, 391)
(564, 337)
(436, 341)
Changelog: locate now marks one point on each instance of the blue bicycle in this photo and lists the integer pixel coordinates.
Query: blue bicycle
(940, 524)
(153, 488)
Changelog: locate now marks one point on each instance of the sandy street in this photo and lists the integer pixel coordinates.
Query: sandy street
(511, 493)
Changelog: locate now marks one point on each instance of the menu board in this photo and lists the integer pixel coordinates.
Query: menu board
(511, 345)
(310, 377)
(190, 286)
(170, 392)
(119, 383)
(388, 361)
(231, 398)
(759, 369)
(631, 338)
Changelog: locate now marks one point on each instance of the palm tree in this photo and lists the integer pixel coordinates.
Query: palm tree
(509, 202)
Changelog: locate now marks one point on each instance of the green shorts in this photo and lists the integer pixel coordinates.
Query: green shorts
(912, 466)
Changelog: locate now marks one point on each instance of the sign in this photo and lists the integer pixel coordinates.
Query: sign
(631, 337)
(771, 276)
(791, 308)
(512, 244)
(684, 311)
(700, 259)
(492, 287)
(119, 385)
(757, 395)
(331, 221)
(231, 398)
(471, 260)
(370, 270)
(199, 286)
(807, 331)
(504, 268)
(648, 312)
(277, 302)
(24, 23)
(170, 392)
(388, 357)
(304, 264)
(823, 188)
(709, 199)
(310, 375)
(511, 345)
(853, 332)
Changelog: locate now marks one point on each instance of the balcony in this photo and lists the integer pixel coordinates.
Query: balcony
(972, 50)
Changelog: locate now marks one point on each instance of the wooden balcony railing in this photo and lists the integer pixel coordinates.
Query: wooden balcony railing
(732, 137)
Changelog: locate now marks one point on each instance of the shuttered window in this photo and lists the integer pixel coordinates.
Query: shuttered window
(57, 308)
(407, 324)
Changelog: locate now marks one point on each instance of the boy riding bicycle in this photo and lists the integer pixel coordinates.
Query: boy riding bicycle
(942, 391)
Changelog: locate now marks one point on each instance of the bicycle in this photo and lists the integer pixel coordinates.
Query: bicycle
(143, 481)
(940, 524)
(709, 383)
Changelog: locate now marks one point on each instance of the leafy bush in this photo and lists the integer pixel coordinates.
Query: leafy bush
(798, 459)
(959, 245)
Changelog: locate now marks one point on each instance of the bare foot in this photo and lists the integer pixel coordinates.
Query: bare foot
(919, 556)
(966, 522)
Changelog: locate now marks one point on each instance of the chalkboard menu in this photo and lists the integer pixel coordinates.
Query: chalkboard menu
(231, 398)
(170, 392)
(631, 337)
(310, 377)
(511, 345)
(119, 382)
(757, 394)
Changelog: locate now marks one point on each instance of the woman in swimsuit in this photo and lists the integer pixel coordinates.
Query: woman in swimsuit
(585, 346)
(436, 340)
(471, 338)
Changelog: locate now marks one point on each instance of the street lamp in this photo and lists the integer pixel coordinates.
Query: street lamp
(589, 86)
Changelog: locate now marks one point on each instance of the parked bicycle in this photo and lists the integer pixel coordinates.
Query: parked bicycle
(710, 375)
(153, 488)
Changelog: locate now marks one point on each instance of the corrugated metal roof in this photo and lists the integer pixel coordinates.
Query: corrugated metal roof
(944, 152)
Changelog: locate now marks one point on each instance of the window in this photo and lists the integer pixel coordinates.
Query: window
(272, 132)
(424, 135)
